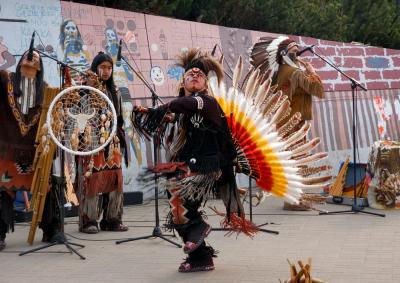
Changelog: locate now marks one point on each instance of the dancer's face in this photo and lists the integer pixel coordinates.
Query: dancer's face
(294, 49)
(292, 52)
(104, 70)
(30, 68)
(194, 81)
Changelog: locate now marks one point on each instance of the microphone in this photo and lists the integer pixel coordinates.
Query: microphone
(118, 62)
(214, 49)
(308, 48)
(30, 53)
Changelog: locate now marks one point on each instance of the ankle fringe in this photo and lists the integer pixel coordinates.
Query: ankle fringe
(237, 224)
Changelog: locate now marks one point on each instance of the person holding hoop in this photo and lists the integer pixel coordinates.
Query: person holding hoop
(102, 173)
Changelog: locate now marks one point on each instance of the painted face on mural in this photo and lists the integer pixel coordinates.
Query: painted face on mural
(157, 76)
(111, 42)
(71, 30)
(111, 36)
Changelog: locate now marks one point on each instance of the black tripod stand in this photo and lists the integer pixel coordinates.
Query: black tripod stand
(355, 208)
(58, 184)
(157, 233)
(250, 194)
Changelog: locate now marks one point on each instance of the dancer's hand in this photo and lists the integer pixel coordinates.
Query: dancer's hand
(91, 79)
(140, 109)
(169, 117)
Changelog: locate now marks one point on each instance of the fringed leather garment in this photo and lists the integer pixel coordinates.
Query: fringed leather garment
(203, 154)
(102, 191)
(17, 148)
(299, 87)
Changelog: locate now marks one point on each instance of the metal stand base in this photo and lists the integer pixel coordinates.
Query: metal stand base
(354, 209)
(58, 239)
(259, 230)
(354, 84)
(156, 234)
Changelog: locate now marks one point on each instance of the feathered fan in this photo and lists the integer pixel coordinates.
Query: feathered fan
(278, 159)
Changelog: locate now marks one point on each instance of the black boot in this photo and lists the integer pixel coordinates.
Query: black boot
(90, 227)
(196, 234)
(4, 228)
(113, 225)
(199, 260)
(50, 230)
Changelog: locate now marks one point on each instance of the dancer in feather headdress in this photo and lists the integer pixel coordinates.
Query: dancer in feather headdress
(220, 130)
(277, 59)
(202, 156)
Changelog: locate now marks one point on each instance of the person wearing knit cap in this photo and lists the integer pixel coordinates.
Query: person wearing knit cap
(103, 182)
(201, 154)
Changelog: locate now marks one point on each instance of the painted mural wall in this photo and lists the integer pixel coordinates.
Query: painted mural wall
(42, 16)
(75, 33)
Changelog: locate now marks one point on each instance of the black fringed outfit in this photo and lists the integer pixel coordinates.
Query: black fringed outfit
(202, 155)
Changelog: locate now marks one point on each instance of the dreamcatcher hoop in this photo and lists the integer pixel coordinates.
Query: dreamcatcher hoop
(81, 120)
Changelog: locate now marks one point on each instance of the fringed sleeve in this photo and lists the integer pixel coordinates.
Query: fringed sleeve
(310, 83)
(121, 136)
(151, 122)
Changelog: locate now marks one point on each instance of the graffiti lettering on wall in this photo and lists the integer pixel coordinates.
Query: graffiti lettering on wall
(35, 10)
(41, 16)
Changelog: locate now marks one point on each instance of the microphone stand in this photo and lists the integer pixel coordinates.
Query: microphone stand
(355, 208)
(157, 233)
(58, 185)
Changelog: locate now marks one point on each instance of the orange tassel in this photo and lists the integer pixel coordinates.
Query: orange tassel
(237, 224)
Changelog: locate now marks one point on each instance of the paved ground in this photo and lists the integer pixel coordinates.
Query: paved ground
(344, 248)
